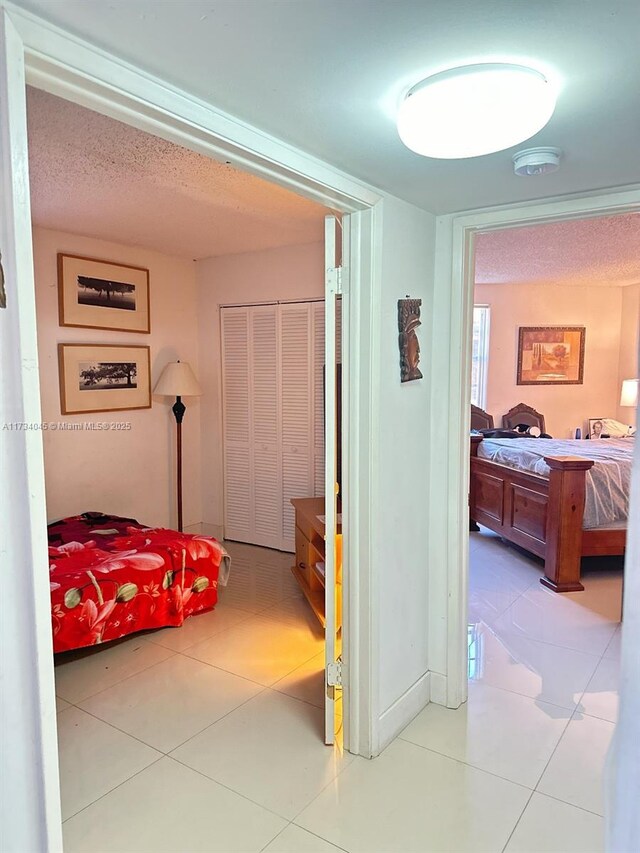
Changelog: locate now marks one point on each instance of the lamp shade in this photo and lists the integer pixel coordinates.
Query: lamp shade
(475, 109)
(629, 394)
(177, 380)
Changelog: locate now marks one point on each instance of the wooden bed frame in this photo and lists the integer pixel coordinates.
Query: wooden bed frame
(542, 515)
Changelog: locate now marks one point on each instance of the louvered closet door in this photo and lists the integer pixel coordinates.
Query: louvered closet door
(237, 424)
(296, 377)
(264, 404)
(273, 404)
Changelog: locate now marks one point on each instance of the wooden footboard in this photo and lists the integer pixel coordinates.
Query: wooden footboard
(543, 516)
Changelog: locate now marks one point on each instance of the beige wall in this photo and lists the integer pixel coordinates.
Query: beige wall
(565, 407)
(292, 272)
(128, 473)
(629, 344)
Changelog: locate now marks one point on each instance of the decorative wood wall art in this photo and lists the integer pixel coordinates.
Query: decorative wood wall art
(408, 322)
(3, 295)
(551, 355)
(103, 378)
(97, 294)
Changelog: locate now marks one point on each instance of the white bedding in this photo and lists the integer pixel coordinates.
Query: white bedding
(607, 482)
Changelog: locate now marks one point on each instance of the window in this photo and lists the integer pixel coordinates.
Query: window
(480, 355)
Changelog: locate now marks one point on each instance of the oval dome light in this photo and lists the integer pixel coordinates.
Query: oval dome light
(474, 110)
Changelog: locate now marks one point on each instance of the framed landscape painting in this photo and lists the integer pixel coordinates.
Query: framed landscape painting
(102, 295)
(103, 378)
(551, 355)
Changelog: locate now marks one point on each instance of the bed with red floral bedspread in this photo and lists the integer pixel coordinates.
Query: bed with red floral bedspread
(111, 576)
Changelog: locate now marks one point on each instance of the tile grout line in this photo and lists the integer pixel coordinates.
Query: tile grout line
(593, 675)
(320, 792)
(128, 677)
(277, 835)
(237, 708)
(172, 653)
(229, 672)
(517, 823)
(555, 749)
(157, 749)
(525, 696)
(572, 805)
(250, 680)
(553, 752)
(558, 645)
(600, 656)
(215, 722)
(466, 764)
(246, 616)
(115, 728)
(111, 790)
(303, 829)
(187, 767)
(263, 689)
(120, 680)
(228, 788)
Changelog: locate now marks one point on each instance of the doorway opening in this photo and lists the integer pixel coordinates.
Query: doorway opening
(56, 66)
(556, 310)
(258, 654)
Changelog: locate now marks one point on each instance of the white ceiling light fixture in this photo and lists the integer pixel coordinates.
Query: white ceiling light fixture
(474, 110)
(536, 161)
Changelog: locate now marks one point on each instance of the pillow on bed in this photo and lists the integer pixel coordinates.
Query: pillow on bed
(615, 429)
(88, 525)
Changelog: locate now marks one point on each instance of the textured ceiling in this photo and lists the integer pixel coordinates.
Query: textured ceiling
(327, 76)
(604, 251)
(95, 176)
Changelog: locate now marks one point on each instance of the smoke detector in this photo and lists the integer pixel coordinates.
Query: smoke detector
(536, 161)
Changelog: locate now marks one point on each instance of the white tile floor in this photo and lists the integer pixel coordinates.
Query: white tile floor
(208, 737)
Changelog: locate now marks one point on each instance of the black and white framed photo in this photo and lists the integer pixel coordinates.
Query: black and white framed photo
(597, 428)
(103, 378)
(96, 294)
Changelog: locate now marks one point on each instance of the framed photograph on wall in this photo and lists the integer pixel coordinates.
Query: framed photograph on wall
(103, 378)
(97, 294)
(551, 355)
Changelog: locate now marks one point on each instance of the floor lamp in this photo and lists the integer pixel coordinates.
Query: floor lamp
(177, 380)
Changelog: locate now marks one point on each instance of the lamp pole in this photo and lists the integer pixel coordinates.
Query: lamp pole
(178, 410)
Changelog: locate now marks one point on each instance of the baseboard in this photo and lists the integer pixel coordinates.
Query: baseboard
(439, 688)
(403, 710)
(215, 530)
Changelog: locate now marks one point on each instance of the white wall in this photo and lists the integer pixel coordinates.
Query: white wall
(399, 498)
(629, 345)
(130, 473)
(292, 272)
(565, 407)
(400, 494)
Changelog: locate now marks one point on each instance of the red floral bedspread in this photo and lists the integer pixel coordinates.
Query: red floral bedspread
(111, 576)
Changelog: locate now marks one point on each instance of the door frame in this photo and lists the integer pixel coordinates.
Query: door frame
(53, 60)
(454, 283)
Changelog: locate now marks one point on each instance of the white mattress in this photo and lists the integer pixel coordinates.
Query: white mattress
(607, 482)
